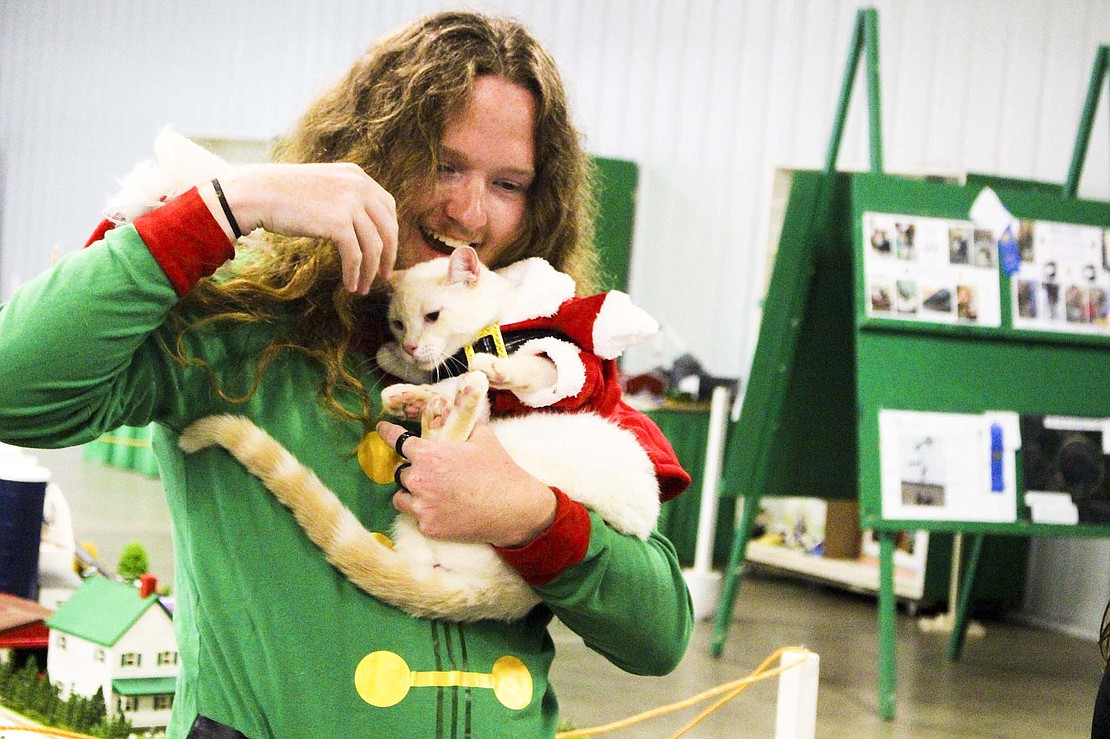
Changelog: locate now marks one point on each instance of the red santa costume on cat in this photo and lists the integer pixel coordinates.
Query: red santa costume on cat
(583, 336)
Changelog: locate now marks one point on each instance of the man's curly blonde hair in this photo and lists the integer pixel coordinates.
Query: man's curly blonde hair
(387, 114)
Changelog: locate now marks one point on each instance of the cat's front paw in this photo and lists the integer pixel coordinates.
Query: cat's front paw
(405, 401)
(453, 419)
(525, 373)
(493, 367)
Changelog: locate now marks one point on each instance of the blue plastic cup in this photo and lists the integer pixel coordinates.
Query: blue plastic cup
(22, 493)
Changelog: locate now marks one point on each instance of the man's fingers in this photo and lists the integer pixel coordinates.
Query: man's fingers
(402, 501)
(350, 257)
(370, 247)
(382, 212)
(390, 432)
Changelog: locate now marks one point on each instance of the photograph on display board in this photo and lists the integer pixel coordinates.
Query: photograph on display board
(923, 479)
(1068, 456)
(948, 466)
(931, 270)
(1063, 281)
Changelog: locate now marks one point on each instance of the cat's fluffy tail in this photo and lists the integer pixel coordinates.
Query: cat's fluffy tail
(361, 555)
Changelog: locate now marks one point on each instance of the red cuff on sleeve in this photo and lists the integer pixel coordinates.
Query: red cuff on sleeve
(185, 239)
(563, 545)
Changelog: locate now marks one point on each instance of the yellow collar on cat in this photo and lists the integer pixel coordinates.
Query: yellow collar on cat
(489, 340)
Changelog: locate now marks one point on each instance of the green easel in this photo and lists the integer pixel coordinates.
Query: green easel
(824, 367)
(751, 449)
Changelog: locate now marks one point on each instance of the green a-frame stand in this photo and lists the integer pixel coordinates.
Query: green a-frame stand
(823, 368)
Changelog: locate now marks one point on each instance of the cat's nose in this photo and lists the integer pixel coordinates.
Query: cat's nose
(410, 349)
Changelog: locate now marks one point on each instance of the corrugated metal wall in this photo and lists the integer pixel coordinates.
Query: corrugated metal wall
(708, 96)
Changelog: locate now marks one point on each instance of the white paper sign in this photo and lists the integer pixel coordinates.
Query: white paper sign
(948, 466)
(1063, 283)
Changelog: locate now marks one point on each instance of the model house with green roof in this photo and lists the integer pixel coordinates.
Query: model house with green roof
(113, 637)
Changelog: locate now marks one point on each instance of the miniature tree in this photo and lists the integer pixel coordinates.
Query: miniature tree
(133, 562)
(7, 671)
(45, 700)
(95, 712)
(23, 685)
(70, 712)
(118, 726)
(83, 714)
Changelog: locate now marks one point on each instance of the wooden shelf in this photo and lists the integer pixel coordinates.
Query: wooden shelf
(855, 574)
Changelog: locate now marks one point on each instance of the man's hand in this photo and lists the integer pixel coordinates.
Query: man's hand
(334, 201)
(470, 490)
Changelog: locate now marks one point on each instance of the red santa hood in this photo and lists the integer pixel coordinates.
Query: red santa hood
(604, 324)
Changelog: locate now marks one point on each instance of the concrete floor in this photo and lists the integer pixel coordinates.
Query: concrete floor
(1016, 681)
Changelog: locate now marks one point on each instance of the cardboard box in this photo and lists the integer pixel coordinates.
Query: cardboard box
(842, 534)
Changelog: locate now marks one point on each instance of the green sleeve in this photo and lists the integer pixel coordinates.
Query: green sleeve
(627, 599)
(83, 346)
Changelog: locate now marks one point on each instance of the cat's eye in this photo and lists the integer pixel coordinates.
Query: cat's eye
(396, 326)
(431, 317)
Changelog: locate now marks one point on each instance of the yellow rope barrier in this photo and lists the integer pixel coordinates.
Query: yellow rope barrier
(730, 690)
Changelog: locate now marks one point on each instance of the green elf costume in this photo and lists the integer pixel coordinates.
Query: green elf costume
(274, 642)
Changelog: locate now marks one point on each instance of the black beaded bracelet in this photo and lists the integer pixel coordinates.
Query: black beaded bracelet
(227, 209)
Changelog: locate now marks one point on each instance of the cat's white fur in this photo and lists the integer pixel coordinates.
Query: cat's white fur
(592, 460)
(179, 165)
(440, 305)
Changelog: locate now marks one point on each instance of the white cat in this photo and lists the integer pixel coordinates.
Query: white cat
(437, 309)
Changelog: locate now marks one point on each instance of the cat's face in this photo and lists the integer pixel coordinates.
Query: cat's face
(438, 307)
(430, 324)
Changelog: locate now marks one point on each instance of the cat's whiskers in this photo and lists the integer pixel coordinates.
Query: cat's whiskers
(449, 366)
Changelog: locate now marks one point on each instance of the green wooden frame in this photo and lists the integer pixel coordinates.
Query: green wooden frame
(823, 368)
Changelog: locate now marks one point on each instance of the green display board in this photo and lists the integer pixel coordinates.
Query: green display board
(616, 198)
(920, 365)
(890, 307)
(688, 429)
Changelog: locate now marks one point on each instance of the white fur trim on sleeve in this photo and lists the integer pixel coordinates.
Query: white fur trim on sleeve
(570, 371)
(620, 324)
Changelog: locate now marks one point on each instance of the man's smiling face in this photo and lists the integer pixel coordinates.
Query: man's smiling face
(487, 166)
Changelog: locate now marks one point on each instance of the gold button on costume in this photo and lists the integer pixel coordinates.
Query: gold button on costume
(383, 679)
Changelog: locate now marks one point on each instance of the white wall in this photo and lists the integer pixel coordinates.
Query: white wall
(708, 96)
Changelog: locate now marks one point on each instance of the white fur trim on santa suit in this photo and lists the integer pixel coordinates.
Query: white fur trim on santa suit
(619, 325)
(569, 371)
(544, 289)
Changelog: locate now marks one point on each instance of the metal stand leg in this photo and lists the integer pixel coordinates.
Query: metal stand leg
(959, 627)
(732, 575)
(887, 623)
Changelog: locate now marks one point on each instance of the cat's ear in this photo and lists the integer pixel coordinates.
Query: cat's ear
(463, 266)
